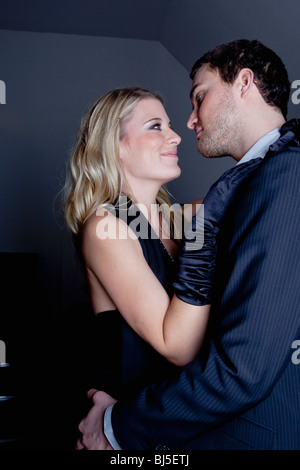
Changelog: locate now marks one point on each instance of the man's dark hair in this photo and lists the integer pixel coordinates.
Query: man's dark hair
(270, 74)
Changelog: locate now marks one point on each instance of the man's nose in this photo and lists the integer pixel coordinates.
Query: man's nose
(192, 120)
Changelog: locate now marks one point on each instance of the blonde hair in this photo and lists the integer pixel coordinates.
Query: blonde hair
(95, 174)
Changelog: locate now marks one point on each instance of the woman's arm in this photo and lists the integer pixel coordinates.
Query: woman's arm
(175, 329)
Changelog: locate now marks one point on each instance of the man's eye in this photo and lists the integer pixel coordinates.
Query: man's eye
(199, 98)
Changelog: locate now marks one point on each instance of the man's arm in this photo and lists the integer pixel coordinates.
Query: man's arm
(108, 430)
(260, 318)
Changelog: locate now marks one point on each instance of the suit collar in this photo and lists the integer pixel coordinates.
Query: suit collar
(289, 135)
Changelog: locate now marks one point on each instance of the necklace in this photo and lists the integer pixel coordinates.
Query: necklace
(168, 253)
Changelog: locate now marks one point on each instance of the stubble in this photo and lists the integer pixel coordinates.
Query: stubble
(222, 136)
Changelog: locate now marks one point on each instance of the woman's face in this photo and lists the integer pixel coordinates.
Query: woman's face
(148, 150)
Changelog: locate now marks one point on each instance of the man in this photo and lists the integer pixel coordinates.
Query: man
(242, 392)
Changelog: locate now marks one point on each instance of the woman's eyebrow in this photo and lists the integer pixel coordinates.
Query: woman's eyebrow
(153, 119)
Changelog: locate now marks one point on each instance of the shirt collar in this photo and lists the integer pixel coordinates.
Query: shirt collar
(260, 148)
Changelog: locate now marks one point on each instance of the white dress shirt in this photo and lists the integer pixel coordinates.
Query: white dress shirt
(261, 147)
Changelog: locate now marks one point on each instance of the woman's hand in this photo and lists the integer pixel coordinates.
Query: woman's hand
(91, 427)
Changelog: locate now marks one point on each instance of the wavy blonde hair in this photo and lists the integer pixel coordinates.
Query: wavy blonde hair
(95, 174)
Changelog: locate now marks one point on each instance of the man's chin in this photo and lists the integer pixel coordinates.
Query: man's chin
(209, 153)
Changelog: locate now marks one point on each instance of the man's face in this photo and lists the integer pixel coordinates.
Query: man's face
(215, 116)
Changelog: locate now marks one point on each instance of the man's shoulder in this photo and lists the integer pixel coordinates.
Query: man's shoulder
(284, 162)
(275, 182)
(276, 177)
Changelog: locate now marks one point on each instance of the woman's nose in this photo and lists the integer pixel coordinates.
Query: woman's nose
(174, 137)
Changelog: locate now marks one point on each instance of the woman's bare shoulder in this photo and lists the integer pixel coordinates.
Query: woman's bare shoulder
(103, 224)
(106, 237)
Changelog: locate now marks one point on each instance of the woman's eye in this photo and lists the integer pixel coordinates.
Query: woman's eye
(156, 126)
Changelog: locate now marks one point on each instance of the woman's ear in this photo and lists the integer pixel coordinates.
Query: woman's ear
(121, 147)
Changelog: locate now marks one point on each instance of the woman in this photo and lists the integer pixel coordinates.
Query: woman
(125, 153)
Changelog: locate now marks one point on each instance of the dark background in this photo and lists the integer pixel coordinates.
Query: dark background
(56, 58)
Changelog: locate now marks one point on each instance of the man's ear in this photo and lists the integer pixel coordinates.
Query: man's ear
(245, 81)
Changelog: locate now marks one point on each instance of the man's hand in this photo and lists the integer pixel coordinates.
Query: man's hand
(91, 427)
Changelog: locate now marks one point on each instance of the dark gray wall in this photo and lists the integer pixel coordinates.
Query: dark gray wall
(50, 80)
(47, 80)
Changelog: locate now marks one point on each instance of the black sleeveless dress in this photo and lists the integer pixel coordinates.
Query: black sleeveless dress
(122, 360)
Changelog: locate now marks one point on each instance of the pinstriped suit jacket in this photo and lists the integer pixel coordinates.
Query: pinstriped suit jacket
(243, 392)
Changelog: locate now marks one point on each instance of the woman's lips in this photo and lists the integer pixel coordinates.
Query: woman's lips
(170, 154)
